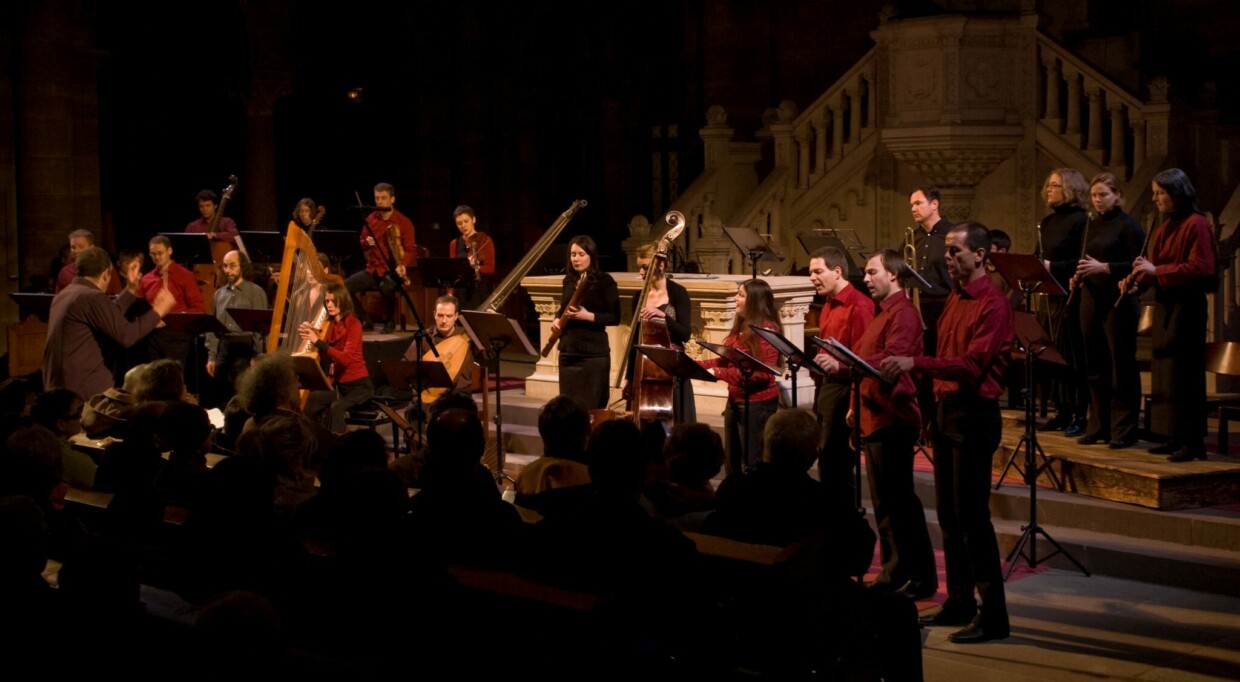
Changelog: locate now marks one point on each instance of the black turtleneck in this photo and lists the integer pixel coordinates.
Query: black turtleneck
(1061, 240)
(1114, 238)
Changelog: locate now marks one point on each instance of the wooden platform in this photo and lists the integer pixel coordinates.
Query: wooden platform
(1131, 475)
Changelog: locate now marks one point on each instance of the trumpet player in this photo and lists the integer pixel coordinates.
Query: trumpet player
(379, 272)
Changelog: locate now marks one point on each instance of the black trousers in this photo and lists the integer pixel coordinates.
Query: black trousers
(363, 281)
(1110, 336)
(904, 540)
(1178, 365)
(836, 457)
(966, 436)
(586, 378)
(1069, 388)
(335, 404)
(746, 436)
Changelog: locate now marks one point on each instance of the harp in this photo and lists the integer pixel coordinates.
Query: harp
(299, 296)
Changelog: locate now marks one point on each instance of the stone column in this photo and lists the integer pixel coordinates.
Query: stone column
(837, 128)
(715, 137)
(639, 235)
(820, 144)
(1094, 143)
(1118, 157)
(1138, 139)
(1072, 127)
(804, 136)
(1053, 78)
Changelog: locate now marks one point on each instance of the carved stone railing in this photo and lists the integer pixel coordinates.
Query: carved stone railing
(1088, 111)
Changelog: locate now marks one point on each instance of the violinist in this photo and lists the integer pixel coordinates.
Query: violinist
(479, 249)
(585, 353)
(385, 228)
(669, 302)
(342, 345)
(208, 204)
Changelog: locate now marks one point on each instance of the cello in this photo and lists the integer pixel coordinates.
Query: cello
(652, 387)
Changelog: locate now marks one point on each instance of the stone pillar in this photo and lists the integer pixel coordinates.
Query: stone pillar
(820, 144)
(1138, 139)
(1094, 143)
(1053, 78)
(712, 249)
(785, 147)
(639, 235)
(854, 115)
(804, 136)
(1072, 126)
(1118, 157)
(715, 137)
(837, 128)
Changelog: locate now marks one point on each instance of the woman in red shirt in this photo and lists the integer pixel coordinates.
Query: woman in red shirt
(755, 304)
(1180, 268)
(342, 345)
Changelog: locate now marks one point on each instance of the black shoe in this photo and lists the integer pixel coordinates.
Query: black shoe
(976, 633)
(1092, 439)
(1076, 429)
(388, 328)
(950, 614)
(1122, 443)
(1187, 454)
(1056, 423)
(917, 590)
(1168, 448)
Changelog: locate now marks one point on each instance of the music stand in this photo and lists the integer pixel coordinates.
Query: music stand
(39, 305)
(263, 247)
(753, 246)
(793, 357)
(1029, 274)
(336, 242)
(191, 248)
(446, 273)
(813, 242)
(747, 365)
(257, 320)
(494, 334)
(310, 373)
(858, 369)
(195, 324)
(679, 365)
(416, 376)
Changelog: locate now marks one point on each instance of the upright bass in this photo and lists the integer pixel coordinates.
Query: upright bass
(651, 386)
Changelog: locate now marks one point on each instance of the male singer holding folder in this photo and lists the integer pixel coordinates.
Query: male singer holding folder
(845, 315)
(974, 342)
(890, 423)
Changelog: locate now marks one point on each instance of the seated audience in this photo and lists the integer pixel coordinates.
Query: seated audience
(681, 493)
(185, 431)
(60, 411)
(564, 425)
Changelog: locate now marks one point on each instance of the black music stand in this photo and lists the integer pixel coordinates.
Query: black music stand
(257, 320)
(856, 270)
(753, 246)
(1028, 274)
(747, 365)
(446, 273)
(39, 305)
(263, 247)
(680, 366)
(310, 374)
(416, 376)
(493, 335)
(858, 369)
(195, 325)
(793, 357)
(190, 248)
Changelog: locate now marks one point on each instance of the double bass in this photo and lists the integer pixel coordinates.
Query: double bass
(220, 249)
(651, 386)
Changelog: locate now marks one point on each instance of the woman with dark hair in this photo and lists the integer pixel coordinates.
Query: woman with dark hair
(343, 346)
(1112, 240)
(585, 354)
(1059, 247)
(755, 304)
(1180, 267)
(304, 213)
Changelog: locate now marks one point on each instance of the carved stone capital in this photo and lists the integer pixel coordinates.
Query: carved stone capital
(546, 310)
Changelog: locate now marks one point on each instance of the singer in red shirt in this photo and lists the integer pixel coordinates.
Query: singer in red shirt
(890, 423)
(342, 346)
(975, 341)
(845, 316)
